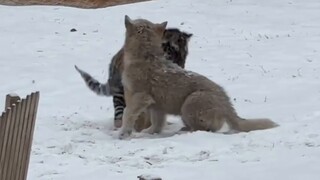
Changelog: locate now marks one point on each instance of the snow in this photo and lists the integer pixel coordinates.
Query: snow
(264, 53)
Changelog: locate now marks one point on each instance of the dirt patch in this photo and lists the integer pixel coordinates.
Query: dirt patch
(86, 4)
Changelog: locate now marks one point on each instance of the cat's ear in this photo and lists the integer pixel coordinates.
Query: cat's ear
(188, 35)
(160, 28)
(128, 22)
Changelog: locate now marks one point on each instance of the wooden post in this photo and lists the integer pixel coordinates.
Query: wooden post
(10, 100)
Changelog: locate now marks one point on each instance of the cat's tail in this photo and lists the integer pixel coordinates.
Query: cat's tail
(93, 84)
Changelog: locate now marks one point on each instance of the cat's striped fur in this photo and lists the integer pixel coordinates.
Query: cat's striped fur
(175, 46)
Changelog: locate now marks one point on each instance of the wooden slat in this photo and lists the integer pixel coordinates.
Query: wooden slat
(15, 131)
(32, 120)
(5, 128)
(23, 138)
(9, 141)
(2, 129)
(10, 100)
(19, 148)
(15, 145)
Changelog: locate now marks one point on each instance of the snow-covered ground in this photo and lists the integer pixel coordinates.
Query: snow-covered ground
(266, 53)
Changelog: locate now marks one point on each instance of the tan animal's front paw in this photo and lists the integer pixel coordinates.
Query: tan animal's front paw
(149, 130)
(124, 133)
(117, 123)
(185, 129)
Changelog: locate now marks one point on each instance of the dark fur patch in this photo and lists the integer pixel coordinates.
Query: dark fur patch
(175, 45)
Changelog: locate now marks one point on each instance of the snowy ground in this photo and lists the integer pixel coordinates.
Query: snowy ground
(265, 53)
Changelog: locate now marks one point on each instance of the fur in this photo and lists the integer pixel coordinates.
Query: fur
(175, 45)
(161, 87)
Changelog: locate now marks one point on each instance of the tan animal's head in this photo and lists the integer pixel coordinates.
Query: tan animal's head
(142, 34)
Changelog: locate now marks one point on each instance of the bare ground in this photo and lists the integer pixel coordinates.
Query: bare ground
(86, 4)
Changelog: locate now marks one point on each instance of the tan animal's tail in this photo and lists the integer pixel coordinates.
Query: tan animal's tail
(255, 124)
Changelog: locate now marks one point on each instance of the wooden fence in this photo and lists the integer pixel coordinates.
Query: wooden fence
(16, 134)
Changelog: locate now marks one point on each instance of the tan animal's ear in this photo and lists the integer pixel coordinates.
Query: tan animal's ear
(164, 24)
(160, 28)
(128, 22)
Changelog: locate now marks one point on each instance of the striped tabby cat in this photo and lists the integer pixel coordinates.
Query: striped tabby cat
(175, 46)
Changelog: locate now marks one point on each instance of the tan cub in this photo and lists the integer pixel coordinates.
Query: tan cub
(161, 87)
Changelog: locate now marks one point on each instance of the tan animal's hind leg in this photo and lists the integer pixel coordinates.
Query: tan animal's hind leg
(157, 121)
(137, 103)
(202, 111)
